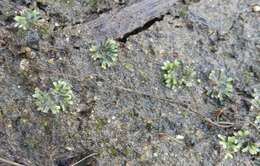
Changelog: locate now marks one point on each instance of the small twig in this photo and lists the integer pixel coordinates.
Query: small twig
(91, 155)
(210, 121)
(151, 96)
(10, 162)
(172, 138)
(205, 118)
(163, 99)
(171, 101)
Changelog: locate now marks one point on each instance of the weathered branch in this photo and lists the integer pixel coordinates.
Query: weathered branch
(127, 20)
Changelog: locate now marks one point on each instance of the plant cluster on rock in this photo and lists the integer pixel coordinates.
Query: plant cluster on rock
(255, 105)
(27, 18)
(222, 87)
(176, 74)
(239, 141)
(56, 99)
(106, 53)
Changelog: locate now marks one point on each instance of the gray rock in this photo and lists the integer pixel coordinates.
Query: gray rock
(217, 15)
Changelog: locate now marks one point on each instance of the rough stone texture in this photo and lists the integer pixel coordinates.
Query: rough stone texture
(216, 15)
(125, 114)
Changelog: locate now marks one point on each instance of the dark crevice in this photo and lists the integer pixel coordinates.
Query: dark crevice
(105, 10)
(42, 6)
(92, 16)
(146, 26)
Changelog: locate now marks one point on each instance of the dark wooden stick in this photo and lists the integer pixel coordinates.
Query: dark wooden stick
(117, 25)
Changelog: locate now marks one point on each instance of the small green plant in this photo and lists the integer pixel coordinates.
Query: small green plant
(93, 3)
(229, 145)
(56, 99)
(256, 100)
(252, 147)
(222, 86)
(106, 53)
(239, 141)
(255, 105)
(62, 94)
(175, 74)
(244, 142)
(27, 18)
(44, 102)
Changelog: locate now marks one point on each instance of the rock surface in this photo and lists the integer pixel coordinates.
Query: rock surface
(125, 115)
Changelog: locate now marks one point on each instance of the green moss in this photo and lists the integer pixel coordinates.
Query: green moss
(239, 141)
(112, 151)
(100, 123)
(255, 105)
(127, 66)
(106, 53)
(54, 100)
(222, 87)
(125, 151)
(256, 100)
(176, 74)
(143, 76)
(229, 145)
(182, 13)
(248, 76)
(27, 19)
(93, 3)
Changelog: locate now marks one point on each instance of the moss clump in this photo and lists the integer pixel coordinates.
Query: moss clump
(239, 141)
(176, 74)
(255, 105)
(256, 100)
(28, 18)
(93, 3)
(56, 99)
(222, 86)
(106, 53)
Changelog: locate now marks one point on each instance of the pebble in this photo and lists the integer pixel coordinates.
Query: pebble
(256, 8)
(69, 148)
(120, 1)
(179, 137)
(155, 155)
(56, 24)
(24, 65)
(51, 61)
